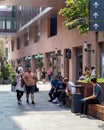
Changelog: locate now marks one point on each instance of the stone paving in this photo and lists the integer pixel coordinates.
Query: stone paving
(41, 116)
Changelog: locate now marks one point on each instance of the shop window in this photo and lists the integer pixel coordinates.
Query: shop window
(53, 26)
(2, 24)
(12, 45)
(18, 43)
(8, 25)
(26, 39)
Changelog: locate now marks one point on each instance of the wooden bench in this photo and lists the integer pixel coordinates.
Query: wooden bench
(95, 110)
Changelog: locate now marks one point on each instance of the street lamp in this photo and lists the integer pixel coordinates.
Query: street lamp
(85, 47)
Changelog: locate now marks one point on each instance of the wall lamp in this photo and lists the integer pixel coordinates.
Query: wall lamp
(85, 47)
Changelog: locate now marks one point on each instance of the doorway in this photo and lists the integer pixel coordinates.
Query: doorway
(79, 63)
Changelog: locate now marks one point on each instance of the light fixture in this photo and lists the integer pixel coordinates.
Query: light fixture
(56, 51)
(85, 47)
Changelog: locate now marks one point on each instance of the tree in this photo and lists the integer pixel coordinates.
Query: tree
(76, 15)
(2, 53)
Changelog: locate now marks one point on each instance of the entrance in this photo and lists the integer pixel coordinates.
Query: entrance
(79, 63)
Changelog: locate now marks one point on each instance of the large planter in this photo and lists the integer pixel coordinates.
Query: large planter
(1, 80)
(6, 81)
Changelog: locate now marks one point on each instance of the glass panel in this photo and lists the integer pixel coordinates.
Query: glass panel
(2, 24)
(8, 25)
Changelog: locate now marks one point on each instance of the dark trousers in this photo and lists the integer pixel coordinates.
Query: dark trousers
(56, 94)
(19, 94)
(62, 97)
(84, 105)
(49, 78)
(51, 93)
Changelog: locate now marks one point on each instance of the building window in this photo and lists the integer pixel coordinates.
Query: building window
(37, 33)
(8, 25)
(12, 45)
(18, 43)
(2, 24)
(6, 53)
(53, 26)
(26, 39)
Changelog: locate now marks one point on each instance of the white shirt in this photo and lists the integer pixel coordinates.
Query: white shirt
(72, 89)
(18, 80)
(93, 73)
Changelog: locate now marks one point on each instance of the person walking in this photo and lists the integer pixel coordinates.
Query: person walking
(44, 73)
(49, 74)
(29, 79)
(19, 87)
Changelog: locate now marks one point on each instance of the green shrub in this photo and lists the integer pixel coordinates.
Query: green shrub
(5, 71)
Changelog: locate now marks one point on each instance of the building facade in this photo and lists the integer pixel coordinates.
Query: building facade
(43, 41)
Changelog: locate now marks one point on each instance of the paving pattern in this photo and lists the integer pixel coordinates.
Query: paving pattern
(41, 116)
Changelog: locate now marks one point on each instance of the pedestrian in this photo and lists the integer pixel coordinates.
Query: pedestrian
(38, 74)
(49, 74)
(93, 71)
(54, 87)
(44, 73)
(19, 86)
(67, 91)
(29, 79)
(18, 68)
(95, 98)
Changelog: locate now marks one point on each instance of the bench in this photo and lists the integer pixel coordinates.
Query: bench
(95, 110)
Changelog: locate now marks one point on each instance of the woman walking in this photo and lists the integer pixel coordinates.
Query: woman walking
(19, 86)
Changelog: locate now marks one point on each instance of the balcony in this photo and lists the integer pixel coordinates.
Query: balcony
(8, 24)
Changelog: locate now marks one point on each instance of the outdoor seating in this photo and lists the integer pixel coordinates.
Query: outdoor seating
(95, 110)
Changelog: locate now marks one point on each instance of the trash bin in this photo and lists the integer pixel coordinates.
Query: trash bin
(76, 102)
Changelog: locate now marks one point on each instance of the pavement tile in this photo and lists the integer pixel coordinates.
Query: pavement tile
(41, 116)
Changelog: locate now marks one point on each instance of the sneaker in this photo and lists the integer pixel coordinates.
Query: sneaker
(83, 116)
(50, 100)
(33, 102)
(78, 114)
(55, 100)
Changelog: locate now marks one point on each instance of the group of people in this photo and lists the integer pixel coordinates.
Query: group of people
(62, 88)
(89, 73)
(43, 74)
(25, 81)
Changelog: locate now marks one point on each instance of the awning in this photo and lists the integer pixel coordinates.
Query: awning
(40, 56)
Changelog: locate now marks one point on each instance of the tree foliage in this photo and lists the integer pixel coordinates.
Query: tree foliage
(1, 50)
(76, 15)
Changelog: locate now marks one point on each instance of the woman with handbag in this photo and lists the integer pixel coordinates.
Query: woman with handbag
(19, 86)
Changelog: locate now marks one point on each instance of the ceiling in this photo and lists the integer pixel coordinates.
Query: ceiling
(36, 3)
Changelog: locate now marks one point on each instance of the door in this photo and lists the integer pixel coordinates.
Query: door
(78, 66)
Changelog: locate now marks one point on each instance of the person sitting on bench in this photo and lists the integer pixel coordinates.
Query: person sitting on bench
(95, 98)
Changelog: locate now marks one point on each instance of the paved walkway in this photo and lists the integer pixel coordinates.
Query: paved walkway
(42, 116)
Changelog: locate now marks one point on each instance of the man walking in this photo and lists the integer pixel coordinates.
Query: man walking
(29, 79)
